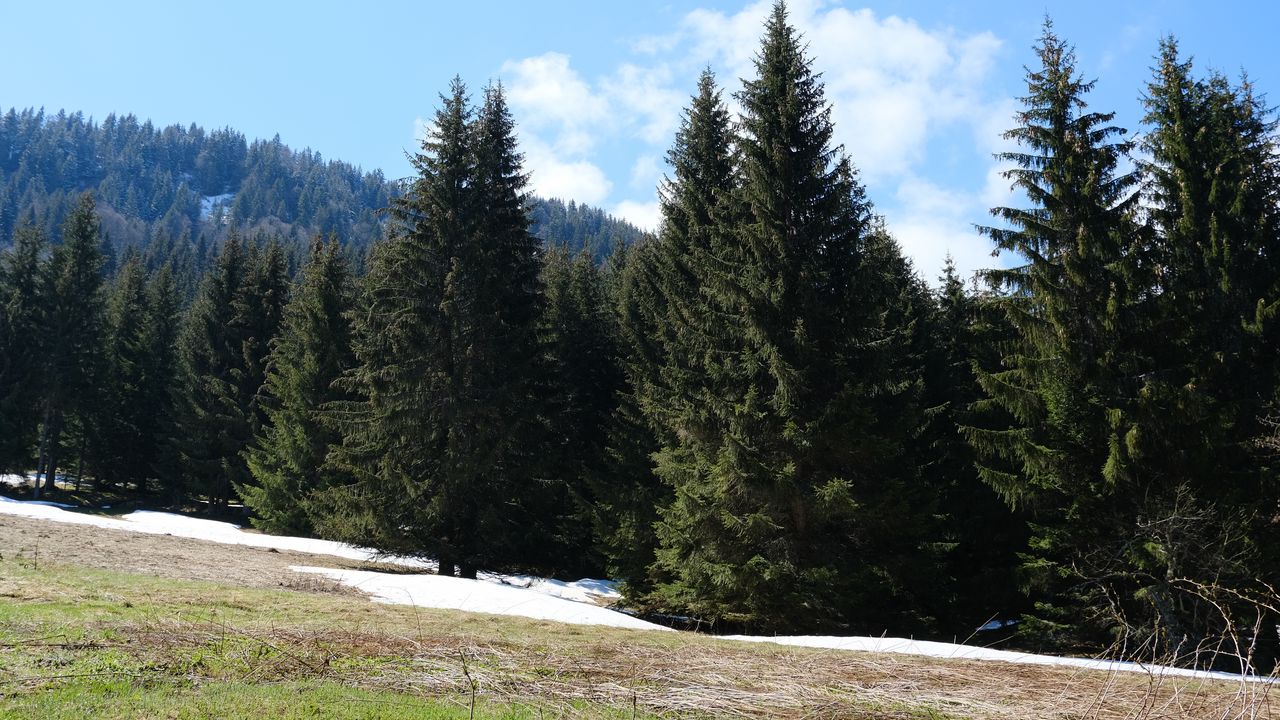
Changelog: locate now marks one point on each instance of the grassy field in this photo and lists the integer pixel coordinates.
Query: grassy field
(99, 642)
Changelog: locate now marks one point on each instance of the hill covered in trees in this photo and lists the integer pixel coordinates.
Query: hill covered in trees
(762, 417)
(188, 184)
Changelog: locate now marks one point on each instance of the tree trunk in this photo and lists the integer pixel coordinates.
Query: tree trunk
(84, 440)
(447, 567)
(50, 430)
(468, 571)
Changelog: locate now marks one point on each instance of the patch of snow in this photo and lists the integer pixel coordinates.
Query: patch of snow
(208, 202)
(529, 596)
(161, 523)
(951, 651)
(13, 480)
(453, 593)
(587, 590)
(49, 503)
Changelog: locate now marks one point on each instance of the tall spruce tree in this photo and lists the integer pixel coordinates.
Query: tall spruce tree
(313, 350)
(1210, 344)
(211, 415)
(801, 424)
(122, 433)
(21, 317)
(438, 440)
(667, 328)
(1065, 377)
(72, 334)
(585, 377)
(979, 536)
(160, 337)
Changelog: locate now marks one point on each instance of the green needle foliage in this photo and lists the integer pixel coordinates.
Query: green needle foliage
(312, 351)
(784, 410)
(439, 441)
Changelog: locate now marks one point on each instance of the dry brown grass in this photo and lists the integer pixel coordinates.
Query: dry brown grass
(703, 678)
(261, 624)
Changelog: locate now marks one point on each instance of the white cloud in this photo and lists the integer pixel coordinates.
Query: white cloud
(421, 129)
(550, 175)
(646, 171)
(644, 215)
(646, 96)
(898, 90)
(930, 222)
(548, 95)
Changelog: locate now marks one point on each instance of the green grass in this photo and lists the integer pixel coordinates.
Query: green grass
(82, 643)
(87, 643)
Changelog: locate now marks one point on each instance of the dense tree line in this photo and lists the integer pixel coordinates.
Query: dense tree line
(762, 417)
(188, 188)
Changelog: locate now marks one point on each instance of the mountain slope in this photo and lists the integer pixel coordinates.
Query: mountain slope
(177, 182)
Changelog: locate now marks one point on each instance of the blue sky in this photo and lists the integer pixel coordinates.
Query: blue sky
(921, 91)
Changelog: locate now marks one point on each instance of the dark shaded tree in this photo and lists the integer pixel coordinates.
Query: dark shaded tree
(71, 335)
(312, 351)
(22, 307)
(438, 440)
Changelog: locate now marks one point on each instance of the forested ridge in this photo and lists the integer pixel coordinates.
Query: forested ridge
(192, 187)
(762, 417)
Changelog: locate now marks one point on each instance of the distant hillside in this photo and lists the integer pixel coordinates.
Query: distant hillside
(177, 182)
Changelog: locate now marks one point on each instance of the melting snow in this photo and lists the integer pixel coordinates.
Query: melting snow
(452, 593)
(208, 202)
(902, 646)
(521, 595)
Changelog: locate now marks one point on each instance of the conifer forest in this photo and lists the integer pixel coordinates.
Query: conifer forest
(761, 417)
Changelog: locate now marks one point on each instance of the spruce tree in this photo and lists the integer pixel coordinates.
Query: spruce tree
(161, 370)
(803, 418)
(1210, 338)
(626, 506)
(22, 306)
(126, 411)
(259, 312)
(211, 416)
(313, 350)
(977, 534)
(1064, 380)
(585, 378)
(437, 441)
(72, 334)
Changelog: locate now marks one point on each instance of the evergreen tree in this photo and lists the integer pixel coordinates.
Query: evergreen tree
(585, 378)
(795, 470)
(72, 334)
(438, 440)
(977, 534)
(22, 306)
(125, 413)
(1208, 321)
(212, 414)
(1064, 378)
(161, 369)
(259, 311)
(626, 505)
(313, 350)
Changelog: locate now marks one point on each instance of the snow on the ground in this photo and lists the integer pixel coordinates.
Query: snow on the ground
(903, 646)
(452, 593)
(160, 523)
(525, 595)
(207, 203)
